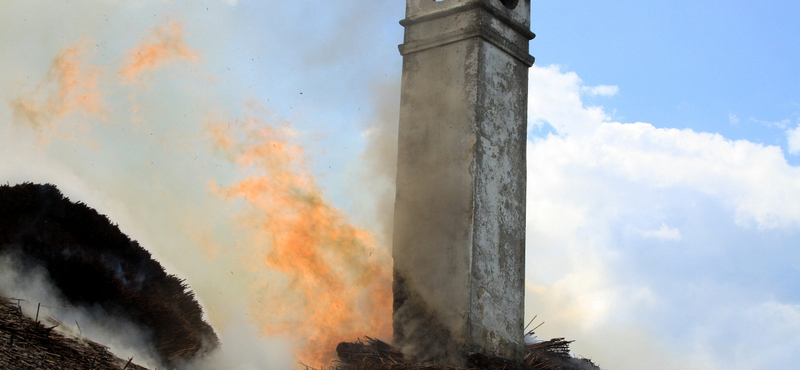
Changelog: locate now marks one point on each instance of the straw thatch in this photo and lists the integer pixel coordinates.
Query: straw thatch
(373, 354)
(28, 344)
(93, 264)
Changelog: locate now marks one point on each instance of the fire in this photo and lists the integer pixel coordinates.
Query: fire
(315, 277)
(164, 45)
(334, 283)
(70, 86)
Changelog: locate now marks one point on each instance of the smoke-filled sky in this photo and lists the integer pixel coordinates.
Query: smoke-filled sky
(663, 192)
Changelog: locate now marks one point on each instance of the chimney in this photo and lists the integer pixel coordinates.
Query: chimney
(459, 224)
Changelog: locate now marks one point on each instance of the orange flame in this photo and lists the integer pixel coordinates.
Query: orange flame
(334, 283)
(76, 91)
(163, 46)
(322, 280)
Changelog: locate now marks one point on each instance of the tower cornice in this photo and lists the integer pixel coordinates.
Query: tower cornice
(467, 6)
(466, 20)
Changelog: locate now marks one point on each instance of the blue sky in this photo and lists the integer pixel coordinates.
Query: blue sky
(683, 64)
(663, 210)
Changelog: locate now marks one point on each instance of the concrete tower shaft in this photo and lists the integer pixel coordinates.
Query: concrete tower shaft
(459, 233)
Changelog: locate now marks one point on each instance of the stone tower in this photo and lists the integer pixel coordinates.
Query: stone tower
(459, 225)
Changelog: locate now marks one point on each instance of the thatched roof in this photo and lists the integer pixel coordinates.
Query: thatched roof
(93, 263)
(28, 344)
(373, 354)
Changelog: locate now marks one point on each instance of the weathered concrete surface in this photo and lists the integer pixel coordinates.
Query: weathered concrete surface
(459, 233)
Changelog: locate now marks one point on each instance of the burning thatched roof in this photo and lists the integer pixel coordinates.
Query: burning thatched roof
(92, 263)
(373, 354)
(27, 344)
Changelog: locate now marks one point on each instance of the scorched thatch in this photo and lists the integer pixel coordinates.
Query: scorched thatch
(27, 344)
(373, 354)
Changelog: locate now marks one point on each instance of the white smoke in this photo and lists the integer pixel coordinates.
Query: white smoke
(242, 347)
(148, 166)
(38, 296)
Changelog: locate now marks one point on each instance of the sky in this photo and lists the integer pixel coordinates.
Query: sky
(663, 211)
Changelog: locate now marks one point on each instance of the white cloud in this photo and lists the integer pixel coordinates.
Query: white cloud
(555, 98)
(751, 178)
(664, 233)
(779, 124)
(600, 90)
(596, 192)
(369, 132)
(793, 140)
(733, 119)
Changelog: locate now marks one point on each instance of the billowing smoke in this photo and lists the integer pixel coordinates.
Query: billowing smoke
(378, 163)
(222, 195)
(40, 298)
